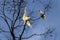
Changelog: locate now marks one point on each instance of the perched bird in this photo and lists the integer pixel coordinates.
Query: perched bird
(42, 15)
(26, 19)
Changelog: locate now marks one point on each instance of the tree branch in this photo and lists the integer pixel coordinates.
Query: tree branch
(19, 6)
(49, 31)
(20, 38)
(32, 36)
(7, 17)
(17, 26)
(5, 21)
(1, 30)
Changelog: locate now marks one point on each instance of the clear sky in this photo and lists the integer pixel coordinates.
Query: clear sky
(52, 19)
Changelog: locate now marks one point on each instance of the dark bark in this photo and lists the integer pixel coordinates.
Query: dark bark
(19, 6)
(13, 36)
(20, 38)
(12, 33)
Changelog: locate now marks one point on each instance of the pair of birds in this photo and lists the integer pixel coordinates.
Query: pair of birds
(26, 18)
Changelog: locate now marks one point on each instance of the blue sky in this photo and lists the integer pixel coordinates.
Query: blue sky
(52, 19)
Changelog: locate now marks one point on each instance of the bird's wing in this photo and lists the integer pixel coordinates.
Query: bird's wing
(41, 12)
(28, 23)
(44, 17)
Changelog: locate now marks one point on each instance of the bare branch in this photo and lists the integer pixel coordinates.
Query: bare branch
(5, 21)
(32, 36)
(4, 18)
(43, 34)
(1, 30)
(34, 19)
(20, 37)
(8, 18)
(19, 6)
(17, 26)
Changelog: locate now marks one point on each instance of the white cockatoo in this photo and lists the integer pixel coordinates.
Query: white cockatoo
(26, 19)
(42, 15)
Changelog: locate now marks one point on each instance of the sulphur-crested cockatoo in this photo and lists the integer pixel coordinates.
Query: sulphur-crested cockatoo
(42, 15)
(26, 19)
